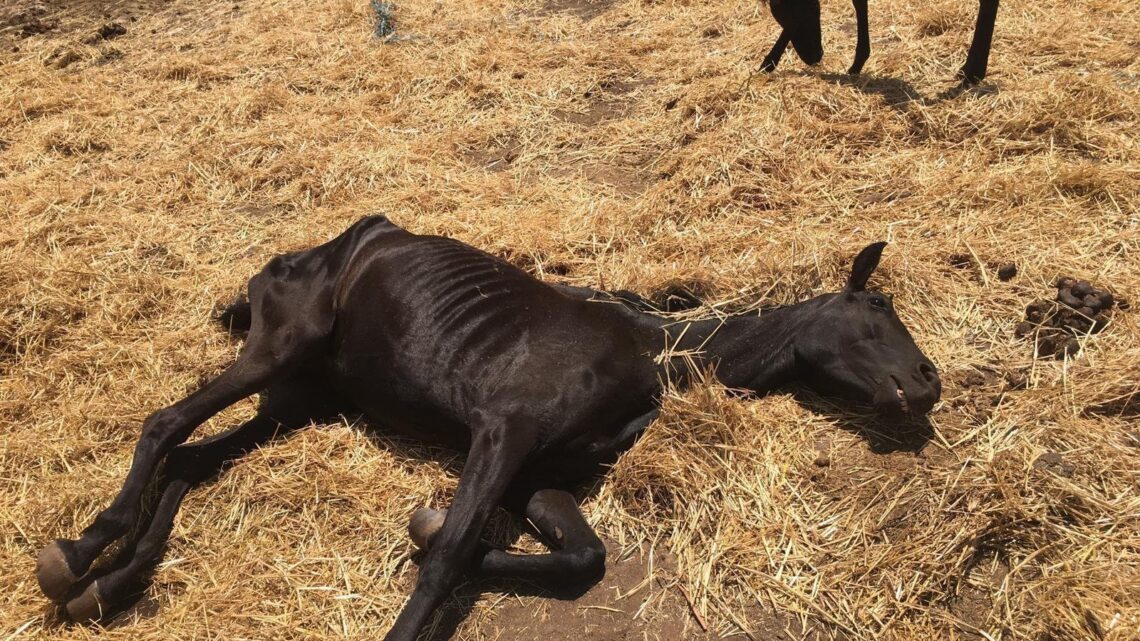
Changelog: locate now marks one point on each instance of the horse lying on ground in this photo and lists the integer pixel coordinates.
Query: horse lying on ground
(800, 21)
(541, 384)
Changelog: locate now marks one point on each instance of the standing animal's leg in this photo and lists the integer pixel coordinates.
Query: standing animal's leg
(288, 321)
(285, 408)
(978, 59)
(577, 556)
(863, 42)
(499, 447)
(777, 52)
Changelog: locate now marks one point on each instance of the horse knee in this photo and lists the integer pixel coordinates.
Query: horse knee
(437, 578)
(589, 562)
(159, 429)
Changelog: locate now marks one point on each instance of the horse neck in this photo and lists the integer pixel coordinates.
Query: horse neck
(754, 351)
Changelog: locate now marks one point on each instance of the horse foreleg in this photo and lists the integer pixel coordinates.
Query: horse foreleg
(978, 59)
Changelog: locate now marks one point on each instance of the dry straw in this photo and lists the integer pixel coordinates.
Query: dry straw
(623, 144)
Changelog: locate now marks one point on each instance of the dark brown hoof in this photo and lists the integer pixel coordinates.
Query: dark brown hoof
(970, 76)
(53, 573)
(424, 525)
(88, 606)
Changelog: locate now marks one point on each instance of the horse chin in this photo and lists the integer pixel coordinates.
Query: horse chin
(887, 398)
(890, 400)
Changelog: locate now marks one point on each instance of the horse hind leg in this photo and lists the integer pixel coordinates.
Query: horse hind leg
(64, 562)
(287, 407)
(291, 313)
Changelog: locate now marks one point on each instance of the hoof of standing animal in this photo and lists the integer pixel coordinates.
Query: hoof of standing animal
(971, 77)
(424, 525)
(88, 606)
(54, 573)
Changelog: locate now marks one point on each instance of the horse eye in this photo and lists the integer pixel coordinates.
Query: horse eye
(878, 301)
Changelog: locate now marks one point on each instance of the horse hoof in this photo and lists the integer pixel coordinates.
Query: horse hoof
(424, 525)
(53, 573)
(88, 606)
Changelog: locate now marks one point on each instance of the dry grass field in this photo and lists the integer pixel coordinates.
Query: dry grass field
(620, 144)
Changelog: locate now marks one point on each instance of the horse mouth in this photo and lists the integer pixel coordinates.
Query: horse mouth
(900, 394)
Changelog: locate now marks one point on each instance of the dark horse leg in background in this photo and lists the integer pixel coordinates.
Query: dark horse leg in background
(863, 42)
(971, 73)
(287, 406)
(777, 52)
(978, 59)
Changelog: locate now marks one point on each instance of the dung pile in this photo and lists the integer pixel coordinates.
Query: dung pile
(1079, 309)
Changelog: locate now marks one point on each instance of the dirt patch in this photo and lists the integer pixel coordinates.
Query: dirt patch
(625, 181)
(639, 598)
(494, 155)
(976, 392)
(23, 18)
(1125, 406)
(22, 21)
(601, 104)
(623, 87)
(960, 261)
(971, 605)
(593, 113)
(584, 9)
(1055, 463)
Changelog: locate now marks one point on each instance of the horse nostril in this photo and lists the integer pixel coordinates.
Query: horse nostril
(928, 373)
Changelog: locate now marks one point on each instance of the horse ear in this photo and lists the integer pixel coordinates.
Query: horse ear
(865, 264)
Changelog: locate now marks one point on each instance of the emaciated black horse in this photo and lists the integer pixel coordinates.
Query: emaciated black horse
(543, 386)
(800, 23)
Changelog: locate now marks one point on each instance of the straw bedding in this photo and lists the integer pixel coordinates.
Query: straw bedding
(624, 144)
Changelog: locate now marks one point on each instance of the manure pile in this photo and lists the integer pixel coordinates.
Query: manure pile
(154, 155)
